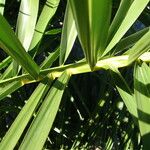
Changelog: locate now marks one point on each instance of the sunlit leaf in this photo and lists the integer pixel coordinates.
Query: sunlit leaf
(46, 15)
(142, 97)
(26, 21)
(5, 62)
(125, 92)
(140, 47)
(41, 125)
(69, 35)
(11, 84)
(135, 9)
(12, 136)
(7, 73)
(92, 21)
(8, 88)
(53, 31)
(130, 41)
(11, 45)
(50, 59)
(119, 17)
(2, 5)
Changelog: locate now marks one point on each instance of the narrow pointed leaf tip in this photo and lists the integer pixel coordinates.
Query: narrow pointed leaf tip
(92, 22)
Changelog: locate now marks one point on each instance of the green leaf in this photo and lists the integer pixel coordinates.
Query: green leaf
(2, 5)
(11, 84)
(140, 47)
(7, 73)
(92, 21)
(125, 92)
(15, 131)
(53, 31)
(25, 26)
(5, 62)
(41, 125)
(50, 59)
(47, 13)
(130, 41)
(69, 35)
(26, 21)
(120, 15)
(8, 88)
(133, 13)
(142, 97)
(11, 45)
